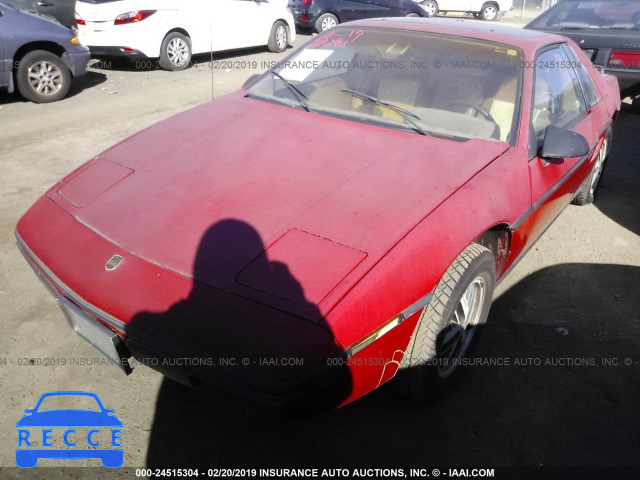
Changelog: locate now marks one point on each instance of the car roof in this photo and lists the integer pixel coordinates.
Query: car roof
(527, 40)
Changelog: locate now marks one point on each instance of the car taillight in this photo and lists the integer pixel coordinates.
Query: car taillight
(132, 17)
(624, 59)
(79, 20)
(307, 2)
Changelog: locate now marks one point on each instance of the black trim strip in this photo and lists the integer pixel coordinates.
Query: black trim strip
(558, 184)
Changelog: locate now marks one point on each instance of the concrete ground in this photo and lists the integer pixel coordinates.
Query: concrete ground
(572, 302)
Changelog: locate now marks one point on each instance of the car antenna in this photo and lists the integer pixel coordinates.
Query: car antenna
(211, 57)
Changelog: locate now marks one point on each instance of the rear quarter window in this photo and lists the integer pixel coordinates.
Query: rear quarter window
(591, 95)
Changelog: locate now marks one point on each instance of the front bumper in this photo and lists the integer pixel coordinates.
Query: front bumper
(77, 62)
(212, 341)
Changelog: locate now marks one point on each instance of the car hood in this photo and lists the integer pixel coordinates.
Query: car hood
(19, 26)
(256, 198)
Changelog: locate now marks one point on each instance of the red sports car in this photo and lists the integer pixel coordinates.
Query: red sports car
(343, 218)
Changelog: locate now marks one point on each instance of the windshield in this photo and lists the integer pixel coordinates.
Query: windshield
(429, 84)
(603, 14)
(66, 402)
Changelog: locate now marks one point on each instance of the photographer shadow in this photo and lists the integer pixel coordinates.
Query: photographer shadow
(233, 346)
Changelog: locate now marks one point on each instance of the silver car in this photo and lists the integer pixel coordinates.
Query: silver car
(38, 56)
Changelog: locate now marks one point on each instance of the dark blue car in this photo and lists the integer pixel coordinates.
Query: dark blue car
(38, 56)
(32, 447)
(321, 15)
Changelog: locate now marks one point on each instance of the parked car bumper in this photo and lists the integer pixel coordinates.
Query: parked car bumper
(629, 81)
(77, 61)
(303, 18)
(118, 41)
(108, 52)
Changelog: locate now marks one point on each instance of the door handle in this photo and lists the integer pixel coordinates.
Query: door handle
(44, 3)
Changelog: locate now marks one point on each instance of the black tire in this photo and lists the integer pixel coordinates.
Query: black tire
(489, 11)
(431, 8)
(42, 77)
(589, 188)
(412, 14)
(175, 52)
(324, 20)
(279, 37)
(635, 105)
(425, 373)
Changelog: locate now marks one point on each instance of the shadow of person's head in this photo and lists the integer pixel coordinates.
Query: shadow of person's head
(239, 343)
(229, 248)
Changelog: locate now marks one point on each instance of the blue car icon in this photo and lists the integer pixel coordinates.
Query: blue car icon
(96, 417)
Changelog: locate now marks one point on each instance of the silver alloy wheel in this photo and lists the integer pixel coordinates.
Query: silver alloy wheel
(490, 12)
(430, 8)
(328, 23)
(281, 37)
(178, 52)
(461, 328)
(45, 78)
(597, 168)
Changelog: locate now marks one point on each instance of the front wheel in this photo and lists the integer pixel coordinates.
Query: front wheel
(449, 325)
(42, 77)
(489, 11)
(279, 38)
(175, 52)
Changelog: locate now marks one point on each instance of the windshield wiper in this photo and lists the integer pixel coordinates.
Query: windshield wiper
(405, 114)
(300, 96)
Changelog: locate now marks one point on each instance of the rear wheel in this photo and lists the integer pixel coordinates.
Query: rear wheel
(175, 52)
(412, 15)
(279, 38)
(489, 11)
(430, 7)
(589, 187)
(449, 325)
(42, 77)
(325, 22)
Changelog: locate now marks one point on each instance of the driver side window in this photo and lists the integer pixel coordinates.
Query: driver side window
(558, 98)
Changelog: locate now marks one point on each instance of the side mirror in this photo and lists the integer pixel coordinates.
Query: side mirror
(250, 80)
(560, 143)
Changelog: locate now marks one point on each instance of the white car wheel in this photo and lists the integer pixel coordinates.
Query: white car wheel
(175, 53)
(279, 38)
(430, 7)
(489, 12)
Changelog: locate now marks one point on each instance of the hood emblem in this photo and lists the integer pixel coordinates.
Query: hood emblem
(113, 263)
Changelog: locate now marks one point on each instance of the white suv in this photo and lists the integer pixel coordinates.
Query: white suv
(485, 9)
(173, 30)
